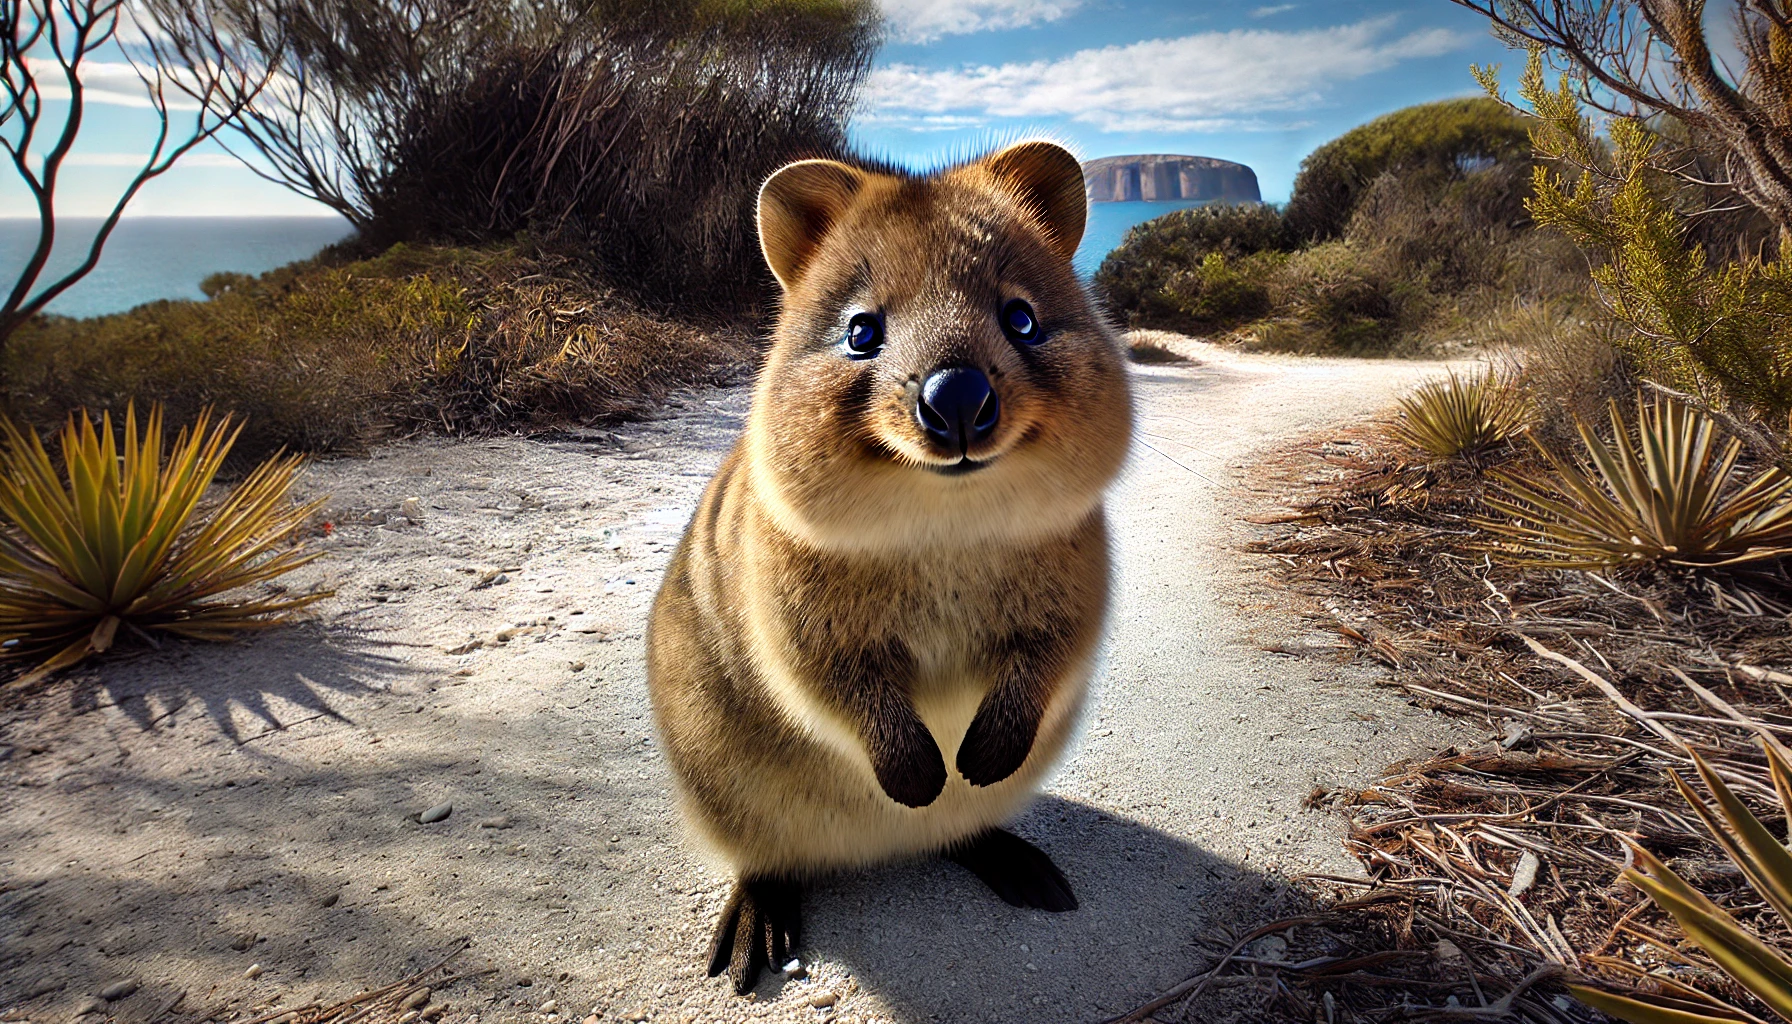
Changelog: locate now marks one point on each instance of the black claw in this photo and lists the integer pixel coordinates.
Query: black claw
(758, 928)
(1019, 872)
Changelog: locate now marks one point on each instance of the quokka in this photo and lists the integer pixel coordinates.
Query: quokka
(877, 633)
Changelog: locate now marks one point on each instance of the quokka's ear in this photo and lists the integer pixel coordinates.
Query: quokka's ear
(797, 206)
(1049, 179)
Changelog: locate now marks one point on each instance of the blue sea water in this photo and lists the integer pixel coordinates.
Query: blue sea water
(151, 258)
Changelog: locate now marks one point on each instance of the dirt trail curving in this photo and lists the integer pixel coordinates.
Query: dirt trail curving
(179, 816)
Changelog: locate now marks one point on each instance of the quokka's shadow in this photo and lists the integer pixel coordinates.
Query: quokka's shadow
(931, 940)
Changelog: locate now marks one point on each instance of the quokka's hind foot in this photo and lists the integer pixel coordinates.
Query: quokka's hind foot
(760, 927)
(1018, 871)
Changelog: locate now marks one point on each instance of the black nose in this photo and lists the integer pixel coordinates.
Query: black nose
(958, 407)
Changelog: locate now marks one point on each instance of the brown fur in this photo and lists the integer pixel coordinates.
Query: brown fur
(854, 657)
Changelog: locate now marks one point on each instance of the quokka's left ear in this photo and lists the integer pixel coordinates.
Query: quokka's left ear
(1050, 180)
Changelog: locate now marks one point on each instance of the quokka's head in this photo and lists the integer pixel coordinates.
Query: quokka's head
(938, 373)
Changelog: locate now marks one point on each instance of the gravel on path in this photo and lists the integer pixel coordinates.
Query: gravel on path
(459, 745)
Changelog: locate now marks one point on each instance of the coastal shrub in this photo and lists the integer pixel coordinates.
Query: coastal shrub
(1191, 270)
(332, 354)
(1435, 143)
(634, 132)
(1337, 297)
(1562, 356)
(1462, 417)
(1668, 493)
(120, 538)
(1721, 329)
(1425, 236)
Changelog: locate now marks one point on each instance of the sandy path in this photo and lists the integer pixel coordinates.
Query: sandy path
(179, 816)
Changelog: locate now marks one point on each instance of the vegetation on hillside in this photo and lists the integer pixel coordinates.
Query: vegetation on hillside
(334, 353)
(1404, 231)
(1433, 146)
(554, 208)
(635, 133)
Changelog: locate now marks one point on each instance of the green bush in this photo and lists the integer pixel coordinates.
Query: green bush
(1719, 328)
(1337, 297)
(332, 354)
(1192, 269)
(1440, 142)
(1424, 232)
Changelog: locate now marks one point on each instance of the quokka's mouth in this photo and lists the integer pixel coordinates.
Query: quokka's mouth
(960, 468)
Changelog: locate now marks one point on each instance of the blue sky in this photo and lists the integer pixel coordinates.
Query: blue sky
(1260, 83)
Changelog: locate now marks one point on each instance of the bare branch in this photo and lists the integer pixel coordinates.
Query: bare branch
(59, 37)
(1650, 57)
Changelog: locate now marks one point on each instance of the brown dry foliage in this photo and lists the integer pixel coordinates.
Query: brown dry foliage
(335, 354)
(1383, 548)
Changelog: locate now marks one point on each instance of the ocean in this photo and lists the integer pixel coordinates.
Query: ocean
(151, 258)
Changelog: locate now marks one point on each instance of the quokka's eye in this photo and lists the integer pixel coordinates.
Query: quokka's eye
(1019, 323)
(864, 335)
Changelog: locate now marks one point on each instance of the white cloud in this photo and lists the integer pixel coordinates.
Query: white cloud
(115, 83)
(920, 21)
(1206, 82)
(1273, 9)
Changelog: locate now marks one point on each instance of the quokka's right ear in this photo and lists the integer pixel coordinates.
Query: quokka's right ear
(797, 206)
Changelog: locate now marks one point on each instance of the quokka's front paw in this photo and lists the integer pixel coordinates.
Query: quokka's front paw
(993, 748)
(908, 765)
(759, 928)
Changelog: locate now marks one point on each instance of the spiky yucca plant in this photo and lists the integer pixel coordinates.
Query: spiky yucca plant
(1664, 494)
(1461, 417)
(1756, 966)
(118, 539)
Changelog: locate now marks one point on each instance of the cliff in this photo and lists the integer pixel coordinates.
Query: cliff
(1159, 177)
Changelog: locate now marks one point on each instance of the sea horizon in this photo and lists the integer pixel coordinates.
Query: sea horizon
(152, 257)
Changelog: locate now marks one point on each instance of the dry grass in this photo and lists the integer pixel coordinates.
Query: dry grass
(1507, 854)
(1156, 348)
(335, 354)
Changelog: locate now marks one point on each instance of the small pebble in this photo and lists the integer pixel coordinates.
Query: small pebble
(286, 1018)
(411, 509)
(90, 1005)
(550, 1006)
(593, 1019)
(501, 821)
(795, 970)
(253, 972)
(615, 839)
(243, 941)
(578, 666)
(415, 999)
(407, 1016)
(435, 814)
(41, 987)
(823, 1000)
(329, 900)
(118, 990)
(525, 982)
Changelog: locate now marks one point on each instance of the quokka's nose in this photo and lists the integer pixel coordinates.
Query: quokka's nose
(958, 408)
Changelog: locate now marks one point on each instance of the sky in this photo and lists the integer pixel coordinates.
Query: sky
(1259, 83)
